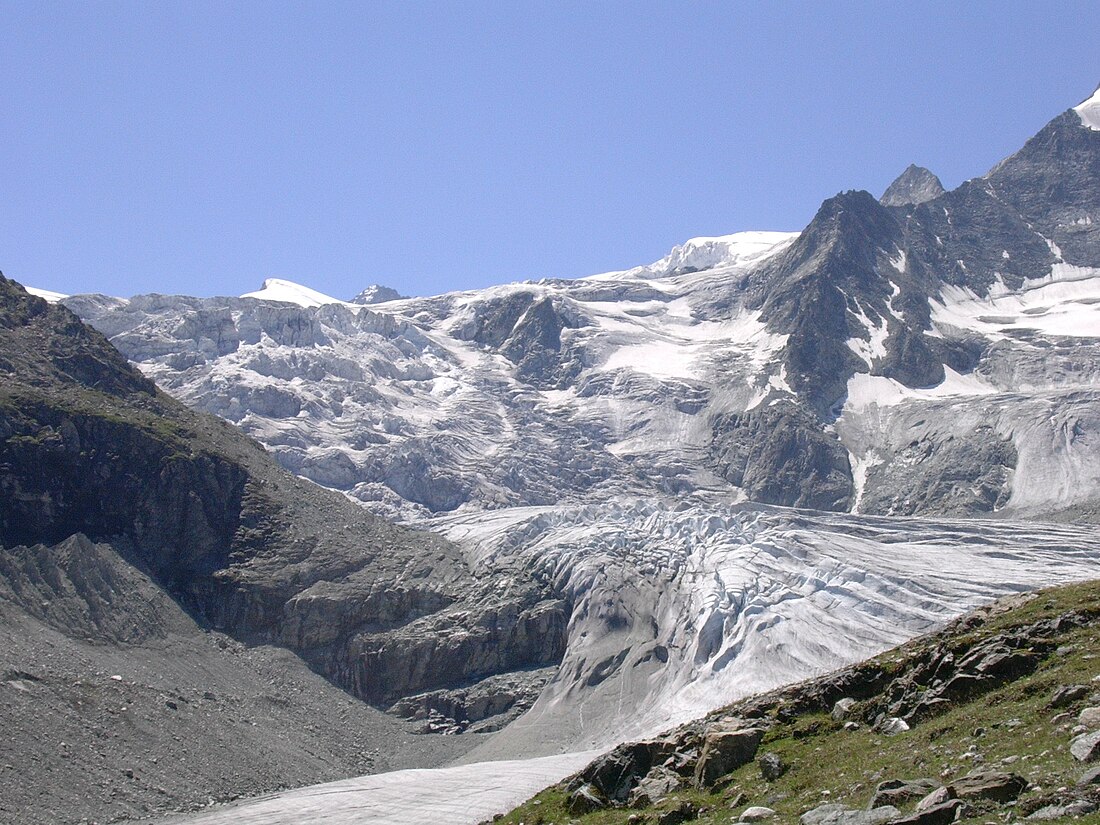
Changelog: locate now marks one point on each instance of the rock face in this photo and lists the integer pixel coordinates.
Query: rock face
(377, 294)
(913, 186)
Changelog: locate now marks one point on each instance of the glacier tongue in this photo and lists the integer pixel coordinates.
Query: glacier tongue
(680, 609)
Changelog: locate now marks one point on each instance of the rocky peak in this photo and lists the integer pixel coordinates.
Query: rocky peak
(377, 294)
(915, 185)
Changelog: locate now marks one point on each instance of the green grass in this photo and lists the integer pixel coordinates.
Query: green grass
(829, 764)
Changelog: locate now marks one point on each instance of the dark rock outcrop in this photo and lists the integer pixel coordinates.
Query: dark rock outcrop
(915, 185)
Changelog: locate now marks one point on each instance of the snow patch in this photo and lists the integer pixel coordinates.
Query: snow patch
(48, 295)
(1066, 302)
(865, 390)
(288, 292)
(1089, 111)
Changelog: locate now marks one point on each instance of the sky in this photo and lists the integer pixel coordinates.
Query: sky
(201, 147)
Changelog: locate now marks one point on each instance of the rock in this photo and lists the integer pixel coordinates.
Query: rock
(892, 726)
(897, 791)
(936, 798)
(771, 766)
(1090, 718)
(1067, 695)
(1078, 808)
(725, 751)
(913, 186)
(1089, 777)
(943, 813)
(616, 773)
(756, 813)
(833, 813)
(996, 785)
(654, 786)
(683, 812)
(585, 799)
(842, 708)
(1086, 747)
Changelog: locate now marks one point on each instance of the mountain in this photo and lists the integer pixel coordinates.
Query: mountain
(153, 556)
(915, 185)
(609, 465)
(956, 333)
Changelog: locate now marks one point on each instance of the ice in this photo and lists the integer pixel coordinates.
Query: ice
(51, 297)
(277, 289)
(460, 794)
(1089, 111)
(1066, 302)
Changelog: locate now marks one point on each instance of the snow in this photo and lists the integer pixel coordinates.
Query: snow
(277, 289)
(1066, 302)
(459, 794)
(52, 297)
(865, 390)
(1089, 111)
(739, 249)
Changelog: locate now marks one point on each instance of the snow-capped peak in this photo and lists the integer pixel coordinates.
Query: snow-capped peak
(48, 295)
(1089, 111)
(740, 248)
(277, 289)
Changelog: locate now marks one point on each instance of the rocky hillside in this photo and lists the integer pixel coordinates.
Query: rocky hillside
(994, 718)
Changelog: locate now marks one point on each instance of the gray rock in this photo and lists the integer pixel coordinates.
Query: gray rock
(771, 766)
(913, 186)
(757, 813)
(995, 785)
(1067, 695)
(585, 799)
(1073, 809)
(936, 798)
(842, 708)
(654, 786)
(892, 726)
(1090, 718)
(833, 813)
(943, 813)
(1089, 777)
(898, 791)
(725, 751)
(1086, 747)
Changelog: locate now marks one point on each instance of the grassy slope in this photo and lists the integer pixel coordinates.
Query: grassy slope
(829, 764)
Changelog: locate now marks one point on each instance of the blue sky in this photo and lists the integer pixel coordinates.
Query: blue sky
(202, 147)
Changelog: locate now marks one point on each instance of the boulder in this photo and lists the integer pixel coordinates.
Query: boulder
(1089, 777)
(995, 785)
(892, 726)
(898, 791)
(585, 799)
(725, 751)
(833, 813)
(771, 766)
(1086, 747)
(1067, 695)
(1073, 809)
(654, 786)
(1090, 718)
(616, 773)
(757, 813)
(942, 814)
(937, 797)
(842, 708)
